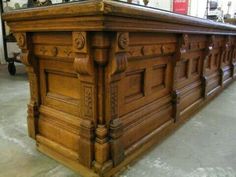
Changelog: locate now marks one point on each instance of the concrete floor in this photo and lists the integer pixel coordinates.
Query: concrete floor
(204, 147)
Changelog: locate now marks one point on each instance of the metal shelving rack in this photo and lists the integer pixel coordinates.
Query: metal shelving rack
(10, 60)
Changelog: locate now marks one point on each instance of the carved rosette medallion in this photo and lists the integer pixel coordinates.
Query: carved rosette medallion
(20, 38)
(79, 41)
(123, 40)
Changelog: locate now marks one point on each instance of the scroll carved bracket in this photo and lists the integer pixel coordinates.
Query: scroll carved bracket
(84, 67)
(184, 45)
(21, 40)
(83, 63)
(208, 51)
(28, 59)
(119, 60)
(182, 50)
(225, 52)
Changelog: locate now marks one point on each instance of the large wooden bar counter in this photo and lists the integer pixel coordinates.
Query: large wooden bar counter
(109, 79)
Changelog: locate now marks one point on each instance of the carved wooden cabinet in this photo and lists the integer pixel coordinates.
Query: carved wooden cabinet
(110, 79)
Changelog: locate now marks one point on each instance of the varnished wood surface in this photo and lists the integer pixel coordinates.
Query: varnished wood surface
(98, 15)
(108, 79)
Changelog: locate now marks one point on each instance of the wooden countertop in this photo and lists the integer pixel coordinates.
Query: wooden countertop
(105, 13)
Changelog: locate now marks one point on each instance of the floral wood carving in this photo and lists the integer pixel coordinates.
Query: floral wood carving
(88, 101)
(83, 63)
(21, 39)
(123, 40)
(79, 41)
(25, 59)
(43, 50)
(54, 51)
(120, 62)
(228, 43)
(211, 44)
(184, 43)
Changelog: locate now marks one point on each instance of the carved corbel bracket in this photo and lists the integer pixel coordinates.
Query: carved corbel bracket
(84, 67)
(120, 62)
(21, 40)
(184, 45)
(211, 43)
(210, 46)
(28, 59)
(25, 58)
(228, 43)
(117, 66)
(83, 63)
(225, 57)
(226, 48)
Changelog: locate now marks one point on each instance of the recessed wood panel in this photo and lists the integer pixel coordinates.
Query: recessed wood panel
(209, 62)
(195, 65)
(135, 83)
(216, 60)
(158, 76)
(64, 84)
(59, 86)
(183, 70)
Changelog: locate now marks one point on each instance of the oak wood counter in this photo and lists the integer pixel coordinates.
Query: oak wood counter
(110, 79)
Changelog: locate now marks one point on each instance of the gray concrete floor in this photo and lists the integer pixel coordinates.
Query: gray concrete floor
(204, 147)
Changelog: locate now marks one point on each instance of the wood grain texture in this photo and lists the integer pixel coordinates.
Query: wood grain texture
(109, 79)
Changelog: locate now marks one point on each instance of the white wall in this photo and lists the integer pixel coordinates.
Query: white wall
(197, 8)
(2, 58)
(161, 4)
(223, 4)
